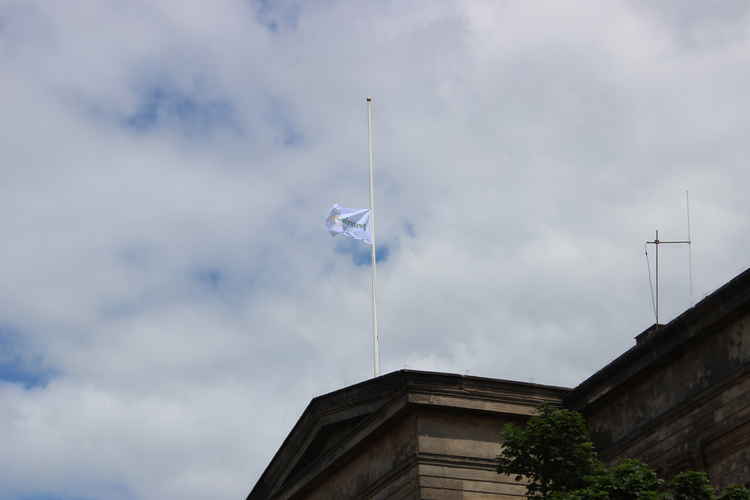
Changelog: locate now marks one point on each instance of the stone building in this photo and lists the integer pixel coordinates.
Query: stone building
(678, 399)
(405, 435)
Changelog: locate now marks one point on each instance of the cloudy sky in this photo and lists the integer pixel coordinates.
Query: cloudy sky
(170, 300)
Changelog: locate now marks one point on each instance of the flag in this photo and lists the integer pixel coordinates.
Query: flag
(352, 222)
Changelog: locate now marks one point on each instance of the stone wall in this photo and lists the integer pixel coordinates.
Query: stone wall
(680, 399)
(383, 467)
(457, 457)
(404, 436)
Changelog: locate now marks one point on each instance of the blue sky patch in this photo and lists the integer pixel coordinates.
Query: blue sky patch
(162, 106)
(16, 366)
(360, 252)
(409, 229)
(210, 278)
(114, 491)
(105, 491)
(48, 496)
(280, 116)
(277, 17)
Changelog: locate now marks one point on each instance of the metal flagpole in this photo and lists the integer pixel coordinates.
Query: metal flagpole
(375, 338)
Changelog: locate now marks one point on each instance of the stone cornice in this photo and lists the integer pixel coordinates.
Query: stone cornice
(659, 344)
(377, 401)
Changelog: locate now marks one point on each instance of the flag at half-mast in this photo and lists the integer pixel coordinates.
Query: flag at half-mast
(352, 222)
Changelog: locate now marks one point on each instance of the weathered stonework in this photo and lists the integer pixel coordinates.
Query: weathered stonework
(679, 399)
(405, 435)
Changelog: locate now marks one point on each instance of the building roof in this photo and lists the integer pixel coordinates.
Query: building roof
(334, 423)
(658, 344)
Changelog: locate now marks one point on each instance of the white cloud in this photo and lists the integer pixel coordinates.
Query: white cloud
(174, 273)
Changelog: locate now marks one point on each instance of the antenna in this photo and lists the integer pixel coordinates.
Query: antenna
(690, 247)
(658, 242)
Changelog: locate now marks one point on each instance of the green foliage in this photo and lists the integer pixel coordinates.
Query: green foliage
(691, 485)
(735, 493)
(628, 480)
(553, 451)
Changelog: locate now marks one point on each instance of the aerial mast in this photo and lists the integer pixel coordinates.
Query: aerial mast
(658, 242)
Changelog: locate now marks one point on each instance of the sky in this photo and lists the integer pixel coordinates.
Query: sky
(170, 300)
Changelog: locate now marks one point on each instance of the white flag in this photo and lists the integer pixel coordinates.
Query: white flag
(353, 222)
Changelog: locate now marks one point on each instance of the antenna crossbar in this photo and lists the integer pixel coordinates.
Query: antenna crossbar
(656, 243)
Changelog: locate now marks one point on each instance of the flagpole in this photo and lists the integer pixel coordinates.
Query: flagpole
(375, 338)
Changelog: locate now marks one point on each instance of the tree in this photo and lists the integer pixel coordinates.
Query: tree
(555, 454)
(691, 485)
(628, 480)
(735, 493)
(553, 451)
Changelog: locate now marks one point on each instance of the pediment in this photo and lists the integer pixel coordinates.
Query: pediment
(334, 427)
(327, 437)
(325, 427)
